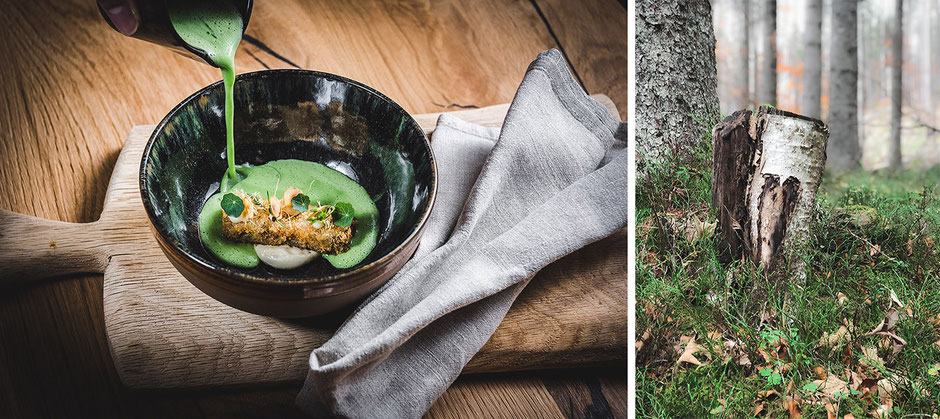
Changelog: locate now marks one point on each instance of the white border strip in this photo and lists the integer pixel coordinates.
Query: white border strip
(631, 210)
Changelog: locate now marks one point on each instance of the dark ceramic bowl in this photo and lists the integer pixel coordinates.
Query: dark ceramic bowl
(289, 114)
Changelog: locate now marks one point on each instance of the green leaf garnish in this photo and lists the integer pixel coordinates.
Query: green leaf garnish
(232, 205)
(300, 202)
(343, 214)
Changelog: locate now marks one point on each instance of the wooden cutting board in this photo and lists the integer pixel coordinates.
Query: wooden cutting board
(164, 333)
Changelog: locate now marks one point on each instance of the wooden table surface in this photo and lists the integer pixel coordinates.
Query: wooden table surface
(71, 88)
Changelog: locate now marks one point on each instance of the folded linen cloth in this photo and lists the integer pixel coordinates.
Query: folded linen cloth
(553, 181)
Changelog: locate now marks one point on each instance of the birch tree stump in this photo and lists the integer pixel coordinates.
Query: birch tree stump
(766, 172)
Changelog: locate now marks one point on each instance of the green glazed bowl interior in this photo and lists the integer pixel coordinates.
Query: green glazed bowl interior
(289, 114)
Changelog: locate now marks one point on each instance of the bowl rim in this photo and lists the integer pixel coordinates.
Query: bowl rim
(239, 277)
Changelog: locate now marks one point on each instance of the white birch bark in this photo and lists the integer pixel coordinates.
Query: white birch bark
(792, 146)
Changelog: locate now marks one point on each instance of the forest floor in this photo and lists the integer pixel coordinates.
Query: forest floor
(860, 337)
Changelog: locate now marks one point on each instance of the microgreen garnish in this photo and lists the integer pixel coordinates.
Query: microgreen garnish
(318, 216)
(232, 205)
(321, 213)
(300, 202)
(344, 214)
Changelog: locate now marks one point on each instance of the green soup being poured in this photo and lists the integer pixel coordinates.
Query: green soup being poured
(216, 28)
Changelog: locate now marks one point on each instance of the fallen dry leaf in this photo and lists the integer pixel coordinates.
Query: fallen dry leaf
(831, 410)
(793, 408)
(646, 335)
(868, 386)
(827, 389)
(894, 297)
(762, 398)
(886, 387)
(690, 226)
(892, 317)
(835, 338)
(820, 372)
(848, 416)
(733, 350)
(883, 411)
(688, 355)
(847, 357)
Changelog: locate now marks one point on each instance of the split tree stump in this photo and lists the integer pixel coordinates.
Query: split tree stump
(766, 171)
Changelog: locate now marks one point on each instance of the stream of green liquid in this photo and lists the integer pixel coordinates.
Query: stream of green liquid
(215, 26)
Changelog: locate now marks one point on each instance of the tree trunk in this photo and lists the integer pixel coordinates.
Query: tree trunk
(897, 58)
(753, 45)
(864, 80)
(767, 90)
(730, 22)
(766, 171)
(812, 60)
(844, 148)
(932, 71)
(676, 81)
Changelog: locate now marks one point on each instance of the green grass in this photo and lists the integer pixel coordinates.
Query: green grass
(873, 233)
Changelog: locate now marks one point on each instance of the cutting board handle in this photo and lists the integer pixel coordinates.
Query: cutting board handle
(34, 248)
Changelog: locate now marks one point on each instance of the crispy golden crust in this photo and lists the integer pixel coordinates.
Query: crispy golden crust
(260, 227)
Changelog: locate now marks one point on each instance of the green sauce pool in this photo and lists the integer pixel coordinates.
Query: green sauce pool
(216, 28)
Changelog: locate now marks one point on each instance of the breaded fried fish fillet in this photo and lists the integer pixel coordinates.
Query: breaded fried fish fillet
(275, 222)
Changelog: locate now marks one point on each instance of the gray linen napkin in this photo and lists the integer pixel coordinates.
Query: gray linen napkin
(554, 181)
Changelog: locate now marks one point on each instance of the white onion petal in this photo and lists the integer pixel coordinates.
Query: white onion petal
(284, 257)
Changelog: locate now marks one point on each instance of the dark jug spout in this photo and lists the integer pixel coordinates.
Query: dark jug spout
(153, 25)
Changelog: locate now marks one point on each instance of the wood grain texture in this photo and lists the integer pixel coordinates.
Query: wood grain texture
(593, 37)
(482, 398)
(71, 88)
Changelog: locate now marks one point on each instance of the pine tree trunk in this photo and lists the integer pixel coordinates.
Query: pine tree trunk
(897, 59)
(767, 90)
(844, 151)
(731, 30)
(765, 174)
(812, 60)
(676, 80)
